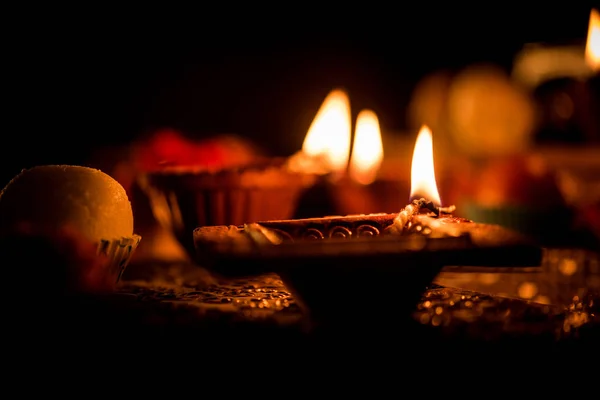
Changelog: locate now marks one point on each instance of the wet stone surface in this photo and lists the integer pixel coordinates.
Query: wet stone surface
(180, 296)
(258, 297)
(168, 315)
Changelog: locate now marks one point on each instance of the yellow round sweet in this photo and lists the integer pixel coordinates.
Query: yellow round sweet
(57, 196)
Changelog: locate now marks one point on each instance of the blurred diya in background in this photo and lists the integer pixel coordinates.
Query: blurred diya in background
(373, 183)
(324, 152)
(355, 179)
(327, 143)
(218, 182)
(168, 148)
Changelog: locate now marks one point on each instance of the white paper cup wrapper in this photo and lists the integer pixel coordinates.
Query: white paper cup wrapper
(118, 252)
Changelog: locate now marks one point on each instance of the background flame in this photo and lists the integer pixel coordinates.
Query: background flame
(422, 177)
(330, 133)
(592, 46)
(367, 150)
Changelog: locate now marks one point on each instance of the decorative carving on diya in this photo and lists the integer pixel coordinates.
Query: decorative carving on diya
(418, 217)
(332, 227)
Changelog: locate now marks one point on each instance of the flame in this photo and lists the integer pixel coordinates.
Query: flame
(422, 177)
(367, 150)
(330, 132)
(592, 46)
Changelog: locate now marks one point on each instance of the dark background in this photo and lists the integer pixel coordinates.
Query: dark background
(79, 80)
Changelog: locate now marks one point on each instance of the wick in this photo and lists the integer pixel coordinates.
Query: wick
(424, 204)
(414, 208)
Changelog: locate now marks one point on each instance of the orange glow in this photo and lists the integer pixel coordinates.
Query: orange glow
(330, 132)
(592, 45)
(367, 151)
(422, 177)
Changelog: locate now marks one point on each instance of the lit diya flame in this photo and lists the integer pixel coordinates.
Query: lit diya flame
(326, 146)
(367, 150)
(422, 174)
(424, 194)
(592, 46)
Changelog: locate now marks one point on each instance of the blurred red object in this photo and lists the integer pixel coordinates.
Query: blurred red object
(169, 147)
